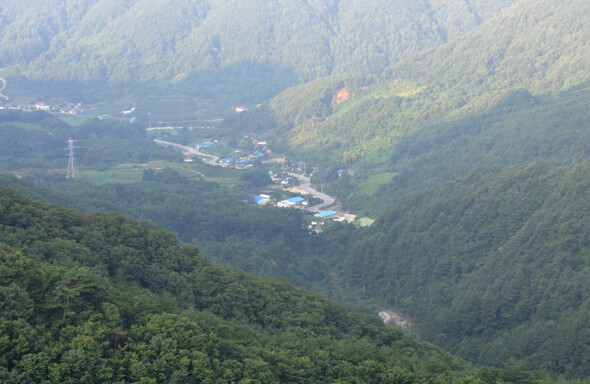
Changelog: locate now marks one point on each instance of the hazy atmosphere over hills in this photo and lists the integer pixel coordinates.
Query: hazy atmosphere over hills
(425, 160)
(141, 40)
(540, 46)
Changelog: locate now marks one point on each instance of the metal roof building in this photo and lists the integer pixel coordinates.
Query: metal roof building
(325, 214)
(295, 200)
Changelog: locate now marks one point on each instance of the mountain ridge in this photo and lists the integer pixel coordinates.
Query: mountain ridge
(93, 41)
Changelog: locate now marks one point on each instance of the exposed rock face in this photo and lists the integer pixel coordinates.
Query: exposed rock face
(341, 96)
(390, 317)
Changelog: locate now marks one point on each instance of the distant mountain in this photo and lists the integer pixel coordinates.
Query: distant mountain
(536, 45)
(519, 128)
(532, 49)
(491, 266)
(278, 43)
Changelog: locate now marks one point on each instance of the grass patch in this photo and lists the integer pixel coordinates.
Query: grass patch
(365, 222)
(373, 183)
(74, 119)
(131, 173)
(112, 176)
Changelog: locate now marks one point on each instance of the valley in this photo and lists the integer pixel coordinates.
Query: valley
(317, 169)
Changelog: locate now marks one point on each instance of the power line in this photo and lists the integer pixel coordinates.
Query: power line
(72, 171)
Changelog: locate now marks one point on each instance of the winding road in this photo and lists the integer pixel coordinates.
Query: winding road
(304, 181)
(192, 152)
(2, 89)
(305, 185)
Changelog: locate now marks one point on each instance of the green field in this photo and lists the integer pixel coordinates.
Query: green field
(372, 184)
(118, 175)
(131, 173)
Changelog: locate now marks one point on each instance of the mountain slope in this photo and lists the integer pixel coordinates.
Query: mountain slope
(100, 299)
(539, 46)
(96, 41)
(519, 128)
(491, 266)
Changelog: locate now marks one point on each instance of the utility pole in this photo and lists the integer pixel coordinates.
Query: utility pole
(72, 172)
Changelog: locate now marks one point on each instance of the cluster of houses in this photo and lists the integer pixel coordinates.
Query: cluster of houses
(66, 109)
(261, 154)
(293, 202)
(301, 203)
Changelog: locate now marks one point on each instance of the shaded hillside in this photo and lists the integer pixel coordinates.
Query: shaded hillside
(540, 46)
(99, 298)
(265, 241)
(491, 266)
(98, 41)
(519, 128)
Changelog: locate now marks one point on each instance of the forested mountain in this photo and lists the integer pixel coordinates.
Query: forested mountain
(490, 266)
(101, 299)
(518, 128)
(276, 43)
(265, 241)
(463, 128)
(537, 47)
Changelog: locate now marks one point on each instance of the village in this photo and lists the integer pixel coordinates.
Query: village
(63, 108)
(293, 180)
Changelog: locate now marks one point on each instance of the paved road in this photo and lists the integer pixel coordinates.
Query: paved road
(1, 89)
(305, 184)
(304, 181)
(192, 152)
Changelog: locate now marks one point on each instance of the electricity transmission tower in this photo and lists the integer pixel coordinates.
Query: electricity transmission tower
(72, 172)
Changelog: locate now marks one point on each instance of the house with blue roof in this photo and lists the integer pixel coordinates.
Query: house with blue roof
(292, 202)
(325, 214)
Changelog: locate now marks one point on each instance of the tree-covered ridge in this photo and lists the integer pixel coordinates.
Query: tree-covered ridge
(518, 129)
(491, 266)
(97, 41)
(539, 46)
(99, 298)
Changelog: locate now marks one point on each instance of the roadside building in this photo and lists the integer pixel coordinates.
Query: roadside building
(291, 203)
(205, 144)
(325, 214)
(260, 200)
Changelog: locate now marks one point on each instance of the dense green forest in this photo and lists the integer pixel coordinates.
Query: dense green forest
(528, 61)
(99, 298)
(427, 249)
(490, 266)
(520, 128)
(210, 48)
(461, 126)
(265, 241)
(535, 45)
